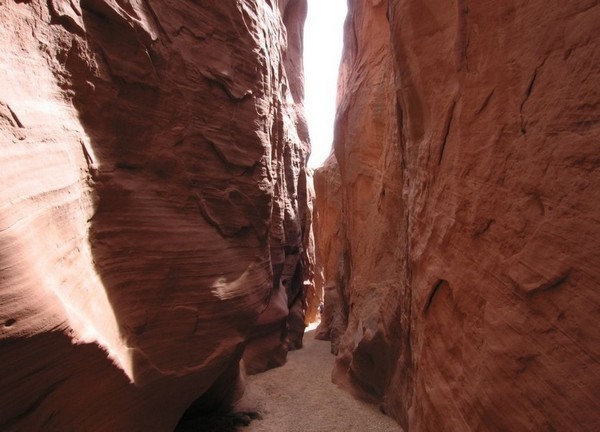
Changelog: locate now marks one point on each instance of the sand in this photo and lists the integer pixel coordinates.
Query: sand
(300, 397)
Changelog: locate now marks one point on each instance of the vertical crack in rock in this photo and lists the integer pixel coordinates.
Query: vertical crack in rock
(485, 103)
(447, 128)
(432, 293)
(88, 157)
(14, 116)
(462, 41)
(528, 92)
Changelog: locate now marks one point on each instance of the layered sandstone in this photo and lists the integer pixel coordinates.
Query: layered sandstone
(467, 264)
(154, 217)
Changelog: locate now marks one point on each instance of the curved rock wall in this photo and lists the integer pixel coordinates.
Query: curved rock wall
(154, 215)
(467, 144)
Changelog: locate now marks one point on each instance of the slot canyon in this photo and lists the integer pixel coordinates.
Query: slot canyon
(163, 244)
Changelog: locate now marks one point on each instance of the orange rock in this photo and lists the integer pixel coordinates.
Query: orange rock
(466, 139)
(154, 202)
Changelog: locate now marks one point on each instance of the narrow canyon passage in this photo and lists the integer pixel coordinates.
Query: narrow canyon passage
(297, 397)
(300, 397)
(160, 231)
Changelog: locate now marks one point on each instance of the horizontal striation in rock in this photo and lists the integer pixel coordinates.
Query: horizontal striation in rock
(154, 183)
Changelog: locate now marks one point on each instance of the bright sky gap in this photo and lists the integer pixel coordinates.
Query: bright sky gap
(323, 40)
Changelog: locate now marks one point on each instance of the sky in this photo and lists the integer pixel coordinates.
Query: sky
(323, 36)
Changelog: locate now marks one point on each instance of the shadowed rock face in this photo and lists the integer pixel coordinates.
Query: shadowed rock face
(154, 218)
(467, 265)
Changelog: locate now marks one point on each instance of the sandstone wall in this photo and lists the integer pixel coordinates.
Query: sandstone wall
(154, 210)
(467, 144)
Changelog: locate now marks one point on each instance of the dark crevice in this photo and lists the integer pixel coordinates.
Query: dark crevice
(432, 293)
(463, 36)
(88, 157)
(229, 422)
(553, 283)
(447, 128)
(186, 30)
(485, 102)
(14, 116)
(528, 92)
(483, 228)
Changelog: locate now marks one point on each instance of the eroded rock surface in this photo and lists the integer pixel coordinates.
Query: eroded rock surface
(154, 206)
(467, 144)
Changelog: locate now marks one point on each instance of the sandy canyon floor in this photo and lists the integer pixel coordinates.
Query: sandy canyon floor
(300, 397)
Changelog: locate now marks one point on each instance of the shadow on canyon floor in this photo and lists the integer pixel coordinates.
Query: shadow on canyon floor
(226, 422)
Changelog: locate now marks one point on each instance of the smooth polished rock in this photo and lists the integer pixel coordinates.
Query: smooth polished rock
(153, 185)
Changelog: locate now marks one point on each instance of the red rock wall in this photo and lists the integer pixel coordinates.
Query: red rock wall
(467, 144)
(154, 206)
(330, 241)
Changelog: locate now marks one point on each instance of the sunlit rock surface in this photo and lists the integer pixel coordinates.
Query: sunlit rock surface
(154, 206)
(329, 227)
(467, 144)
